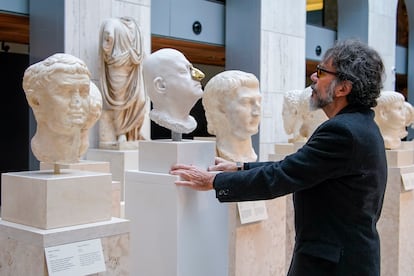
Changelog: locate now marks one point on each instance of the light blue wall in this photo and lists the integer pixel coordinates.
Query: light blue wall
(15, 6)
(175, 18)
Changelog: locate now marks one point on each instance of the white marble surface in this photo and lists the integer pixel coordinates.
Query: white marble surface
(382, 16)
(119, 160)
(159, 155)
(46, 200)
(396, 224)
(175, 231)
(22, 250)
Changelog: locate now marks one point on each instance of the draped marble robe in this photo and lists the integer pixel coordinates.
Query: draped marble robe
(121, 55)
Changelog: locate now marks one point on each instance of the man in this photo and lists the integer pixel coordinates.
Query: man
(232, 103)
(173, 85)
(65, 106)
(337, 178)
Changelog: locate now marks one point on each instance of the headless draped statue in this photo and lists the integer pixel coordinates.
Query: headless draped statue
(65, 103)
(173, 85)
(232, 104)
(125, 106)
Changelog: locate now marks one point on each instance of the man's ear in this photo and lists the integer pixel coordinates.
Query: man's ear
(345, 88)
(160, 85)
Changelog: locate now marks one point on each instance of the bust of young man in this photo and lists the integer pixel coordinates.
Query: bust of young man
(65, 103)
(232, 103)
(173, 85)
(390, 115)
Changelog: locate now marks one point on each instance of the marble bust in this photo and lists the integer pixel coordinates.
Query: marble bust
(391, 117)
(65, 103)
(173, 86)
(121, 54)
(299, 120)
(232, 103)
(409, 114)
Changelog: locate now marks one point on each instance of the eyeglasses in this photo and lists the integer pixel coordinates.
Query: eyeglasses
(320, 70)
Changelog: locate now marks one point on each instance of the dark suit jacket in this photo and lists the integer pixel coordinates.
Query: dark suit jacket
(338, 181)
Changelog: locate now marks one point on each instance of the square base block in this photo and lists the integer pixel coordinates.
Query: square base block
(284, 148)
(22, 247)
(82, 165)
(159, 155)
(400, 157)
(94, 166)
(175, 231)
(46, 200)
(119, 160)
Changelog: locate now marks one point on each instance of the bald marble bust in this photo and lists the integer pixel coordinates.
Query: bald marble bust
(65, 103)
(173, 85)
(391, 117)
(232, 104)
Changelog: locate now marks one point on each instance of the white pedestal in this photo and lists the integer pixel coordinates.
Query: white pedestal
(175, 231)
(94, 166)
(46, 200)
(82, 165)
(22, 247)
(396, 224)
(281, 151)
(119, 160)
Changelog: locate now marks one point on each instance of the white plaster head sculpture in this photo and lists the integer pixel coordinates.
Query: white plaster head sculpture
(292, 115)
(299, 120)
(390, 115)
(312, 118)
(232, 104)
(173, 85)
(121, 54)
(65, 103)
(409, 114)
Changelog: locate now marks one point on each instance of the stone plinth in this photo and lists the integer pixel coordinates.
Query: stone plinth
(400, 157)
(281, 150)
(82, 165)
(119, 160)
(175, 231)
(159, 155)
(45, 200)
(22, 247)
(94, 166)
(396, 223)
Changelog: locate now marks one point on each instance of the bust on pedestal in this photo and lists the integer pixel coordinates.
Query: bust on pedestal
(178, 228)
(62, 203)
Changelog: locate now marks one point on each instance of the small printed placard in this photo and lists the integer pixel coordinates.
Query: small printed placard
(408, 181)
(79, 258)
(252, 211)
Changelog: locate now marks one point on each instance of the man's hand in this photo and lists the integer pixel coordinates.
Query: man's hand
(223, 165)
(193, 177)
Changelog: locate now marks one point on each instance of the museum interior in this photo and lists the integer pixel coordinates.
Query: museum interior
(110, 206)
